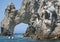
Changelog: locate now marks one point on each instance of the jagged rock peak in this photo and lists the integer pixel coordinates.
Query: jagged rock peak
(9, 20)
(11, 6)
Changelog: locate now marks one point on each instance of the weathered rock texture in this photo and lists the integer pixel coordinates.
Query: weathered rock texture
(42, 16)
(10, 20)
(44, 22)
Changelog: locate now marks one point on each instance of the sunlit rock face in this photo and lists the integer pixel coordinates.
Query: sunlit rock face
(44, 22)
(9, 21)
(42, 16)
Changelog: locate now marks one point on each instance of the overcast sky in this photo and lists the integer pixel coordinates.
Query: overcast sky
(20, 28)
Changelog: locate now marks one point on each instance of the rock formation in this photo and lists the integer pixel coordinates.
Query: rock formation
(9, 21)
(42, 16)
(44, 22)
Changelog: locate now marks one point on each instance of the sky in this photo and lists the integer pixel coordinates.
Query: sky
(20, 28)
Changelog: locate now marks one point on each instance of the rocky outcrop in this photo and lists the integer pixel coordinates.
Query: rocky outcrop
(42, 16)
(10, 20)
(44, 22)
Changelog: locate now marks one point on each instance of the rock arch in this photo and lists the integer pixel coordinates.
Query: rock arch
(31, 14)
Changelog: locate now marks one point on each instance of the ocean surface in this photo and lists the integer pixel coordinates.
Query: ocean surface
(20, 38)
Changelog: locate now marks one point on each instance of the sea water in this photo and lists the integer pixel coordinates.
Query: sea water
(20, 38)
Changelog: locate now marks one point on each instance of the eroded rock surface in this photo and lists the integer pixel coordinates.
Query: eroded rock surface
(9, 21)
(42, 16)
(44, 22)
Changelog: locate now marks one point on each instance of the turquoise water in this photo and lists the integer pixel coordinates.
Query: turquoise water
(20, 38)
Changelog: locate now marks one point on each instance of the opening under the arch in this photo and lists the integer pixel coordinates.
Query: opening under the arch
(20, 28)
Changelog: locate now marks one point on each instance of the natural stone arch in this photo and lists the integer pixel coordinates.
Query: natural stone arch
(30, 15)
(12, 18)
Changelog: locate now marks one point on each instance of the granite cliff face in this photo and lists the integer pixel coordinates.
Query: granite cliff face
(42, 16)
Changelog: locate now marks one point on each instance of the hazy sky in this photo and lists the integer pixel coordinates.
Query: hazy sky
(20, 28)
